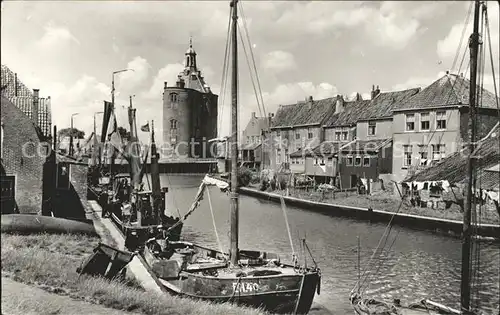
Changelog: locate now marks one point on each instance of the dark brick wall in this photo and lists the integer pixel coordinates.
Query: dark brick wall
(193, 110)
(19, 133)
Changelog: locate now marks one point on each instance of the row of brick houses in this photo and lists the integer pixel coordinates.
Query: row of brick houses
(390, 136)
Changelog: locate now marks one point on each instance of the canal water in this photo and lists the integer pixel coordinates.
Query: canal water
(418, 265)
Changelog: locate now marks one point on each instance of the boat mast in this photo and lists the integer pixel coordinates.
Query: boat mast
(466, 241)
(233, 251)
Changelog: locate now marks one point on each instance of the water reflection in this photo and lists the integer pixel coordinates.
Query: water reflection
(418, 265)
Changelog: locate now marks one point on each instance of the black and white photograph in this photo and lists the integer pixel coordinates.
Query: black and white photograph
(250, 157)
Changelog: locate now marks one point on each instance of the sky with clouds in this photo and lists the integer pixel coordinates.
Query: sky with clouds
(68, 49)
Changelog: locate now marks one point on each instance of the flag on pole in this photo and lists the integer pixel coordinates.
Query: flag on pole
(145, 128)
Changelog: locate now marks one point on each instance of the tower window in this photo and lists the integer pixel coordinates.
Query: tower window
(174, 97)
(173, 124)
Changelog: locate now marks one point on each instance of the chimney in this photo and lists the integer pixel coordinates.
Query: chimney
(34, 107)
(180, 83)
(253, 115)
(339, 104)
(358, 97)
(15, 84)
(375, 92)
(165, 85)
(309, 101)
(447, 72)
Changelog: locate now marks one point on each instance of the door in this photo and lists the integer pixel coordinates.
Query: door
(8, 194)
(354, 180)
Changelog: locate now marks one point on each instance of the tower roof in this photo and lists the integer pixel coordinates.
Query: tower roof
(190, 50)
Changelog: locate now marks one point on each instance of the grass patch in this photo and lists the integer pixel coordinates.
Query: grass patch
(50, 261)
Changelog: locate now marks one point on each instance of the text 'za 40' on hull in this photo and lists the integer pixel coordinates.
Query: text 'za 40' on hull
(259, 281)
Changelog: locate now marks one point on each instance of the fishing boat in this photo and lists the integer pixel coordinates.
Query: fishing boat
(368, 306)
(251, 278)
(139, 213)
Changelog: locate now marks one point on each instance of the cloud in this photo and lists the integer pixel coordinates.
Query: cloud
(56, 35)
(166, 74)
(279, 60)
(448, 46)
(414, 82)
(132, 79)
(282, 94)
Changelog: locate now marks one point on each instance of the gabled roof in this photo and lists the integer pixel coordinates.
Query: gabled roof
(454, 167)
(300, 114)
(384, 103)
(449, 90)
(350, 115)
(366, 145)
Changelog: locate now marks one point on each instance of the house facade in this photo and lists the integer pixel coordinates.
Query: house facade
(433, 124)
(298, 128)
(252, 140)
(23, 154)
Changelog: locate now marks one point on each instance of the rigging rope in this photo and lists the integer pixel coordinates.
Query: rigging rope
(213, 221)
(225, 67)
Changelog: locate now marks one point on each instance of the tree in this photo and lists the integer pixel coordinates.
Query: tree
(68, 132)
(124, 134)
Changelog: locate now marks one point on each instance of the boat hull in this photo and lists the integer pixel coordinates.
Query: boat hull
(272, 286)
(276, 294)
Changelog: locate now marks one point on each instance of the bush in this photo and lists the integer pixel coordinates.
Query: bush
(244, 176)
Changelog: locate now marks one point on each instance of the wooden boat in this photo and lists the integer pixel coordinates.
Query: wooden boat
(138, 213)
(367, 306)
(246, 277)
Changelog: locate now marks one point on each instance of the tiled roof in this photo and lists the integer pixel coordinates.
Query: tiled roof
(366, 145)
(454, 167)
(447, 91)
(384, 103)
(301, 114)
(487, 180)
(350, 115)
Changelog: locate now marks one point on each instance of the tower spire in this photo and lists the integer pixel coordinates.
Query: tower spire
(190, 41)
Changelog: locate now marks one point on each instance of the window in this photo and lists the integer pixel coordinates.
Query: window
(173, 131)
(316, 161)
(441, 120)
(423, 153)
(357, 161)
(425, 122)
(337, 135)
(297, 136)
(310, 135)
(174, 97)
(372, 128)
(438, 152)
(407, 155)
(366, 161)
(173, 124)
(349, 161)
(253, 139)
(344, 135)
(248, 139)
(322, 161)
(330, 161)
(410, 122)
(278, 156)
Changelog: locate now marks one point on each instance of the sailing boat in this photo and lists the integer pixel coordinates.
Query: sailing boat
(140, 213)
(245, 277)
(366, 306)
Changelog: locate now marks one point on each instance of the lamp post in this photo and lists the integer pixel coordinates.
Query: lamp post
(112, 162)
(71, 135)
